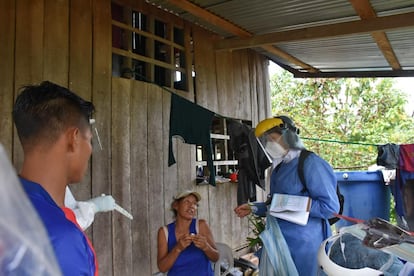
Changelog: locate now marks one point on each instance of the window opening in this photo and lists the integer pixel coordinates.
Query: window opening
(224, 156)
(148, 49)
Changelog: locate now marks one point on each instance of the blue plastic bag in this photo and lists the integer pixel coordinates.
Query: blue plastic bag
(275, 257)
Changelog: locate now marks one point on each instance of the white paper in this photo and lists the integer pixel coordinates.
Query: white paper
(291, 207)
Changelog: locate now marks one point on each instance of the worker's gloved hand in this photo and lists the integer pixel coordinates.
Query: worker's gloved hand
(103, 203)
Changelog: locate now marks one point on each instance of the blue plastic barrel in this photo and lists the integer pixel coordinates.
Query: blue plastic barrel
(366, 195)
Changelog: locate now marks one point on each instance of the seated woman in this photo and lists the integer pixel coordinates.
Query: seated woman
(186, 246)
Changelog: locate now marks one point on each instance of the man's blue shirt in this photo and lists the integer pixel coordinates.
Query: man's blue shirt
(70, 244)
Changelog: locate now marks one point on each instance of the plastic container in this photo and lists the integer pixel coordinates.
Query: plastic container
(366, 195)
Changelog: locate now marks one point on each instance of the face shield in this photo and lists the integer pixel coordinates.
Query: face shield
(277, 135)
(96, 140)
(269, 134)
(271, 143)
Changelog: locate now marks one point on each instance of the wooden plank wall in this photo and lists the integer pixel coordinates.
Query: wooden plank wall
(237, 82)
(7, 48)
(80, 70)
(69, 42)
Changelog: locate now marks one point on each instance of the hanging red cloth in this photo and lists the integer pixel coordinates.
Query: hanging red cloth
(406, 162)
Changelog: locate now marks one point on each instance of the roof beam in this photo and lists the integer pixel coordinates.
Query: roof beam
(236, 30)
(365, 11)
(354, 74)
(339, 29)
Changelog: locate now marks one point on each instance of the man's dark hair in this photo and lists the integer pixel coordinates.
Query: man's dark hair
(41, 112)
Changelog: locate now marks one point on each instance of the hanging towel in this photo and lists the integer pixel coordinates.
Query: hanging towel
(192, 123)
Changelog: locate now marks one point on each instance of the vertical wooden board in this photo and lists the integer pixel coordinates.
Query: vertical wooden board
(266, 85)
(204, 205)
(101, 160)
(244, 103)
(80, 48)
(170, 172)
(29, 42)
(263, 91)
(257, 82)
(7, 35)
(205, 69)
(28, 54)
(121, 168)
(221, 212)
(155, 167)
(259, 96)
(225, 84)
(141, 243)
(56, 42)
(253, 60)
(186, 165)
(188, 44)
(80, 71)
(237, 83)
(239, 225)
(231, 203)
(241, 85)
(262, 104)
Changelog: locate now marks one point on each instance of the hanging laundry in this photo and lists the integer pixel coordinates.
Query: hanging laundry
(388, 155)
(252, 161)
(406, 162)
(404, 175)
(191, 123)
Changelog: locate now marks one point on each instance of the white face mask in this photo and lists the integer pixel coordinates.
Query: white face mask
(275, 150)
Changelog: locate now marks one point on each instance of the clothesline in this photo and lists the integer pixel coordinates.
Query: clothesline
(225, 117)
(340, 142)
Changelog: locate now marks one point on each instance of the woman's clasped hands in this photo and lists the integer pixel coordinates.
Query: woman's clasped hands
(199, 241)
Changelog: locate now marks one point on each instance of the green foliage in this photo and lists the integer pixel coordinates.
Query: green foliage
(256, 225)
(344, 119)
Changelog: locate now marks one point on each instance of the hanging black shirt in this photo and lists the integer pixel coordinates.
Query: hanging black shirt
(192, 123)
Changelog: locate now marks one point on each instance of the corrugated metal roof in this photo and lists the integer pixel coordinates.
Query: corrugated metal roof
(337, 54)
(353, 52)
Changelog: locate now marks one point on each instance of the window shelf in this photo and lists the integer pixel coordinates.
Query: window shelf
(218, 163)
(219, 136)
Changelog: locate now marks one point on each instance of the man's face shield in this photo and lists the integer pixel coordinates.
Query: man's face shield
(96, 141)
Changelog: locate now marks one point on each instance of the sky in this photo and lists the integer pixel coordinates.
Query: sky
(406, 84)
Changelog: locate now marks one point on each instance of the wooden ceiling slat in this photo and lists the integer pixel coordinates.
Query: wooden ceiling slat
(365, 11)
(386, 49)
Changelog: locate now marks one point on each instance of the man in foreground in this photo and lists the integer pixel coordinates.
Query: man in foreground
(53, 127)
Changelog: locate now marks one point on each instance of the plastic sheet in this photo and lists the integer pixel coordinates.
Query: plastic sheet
(393, 239)
(24, 245)
(275, 258)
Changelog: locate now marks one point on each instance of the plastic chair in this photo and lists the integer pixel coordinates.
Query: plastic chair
(225, 261)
